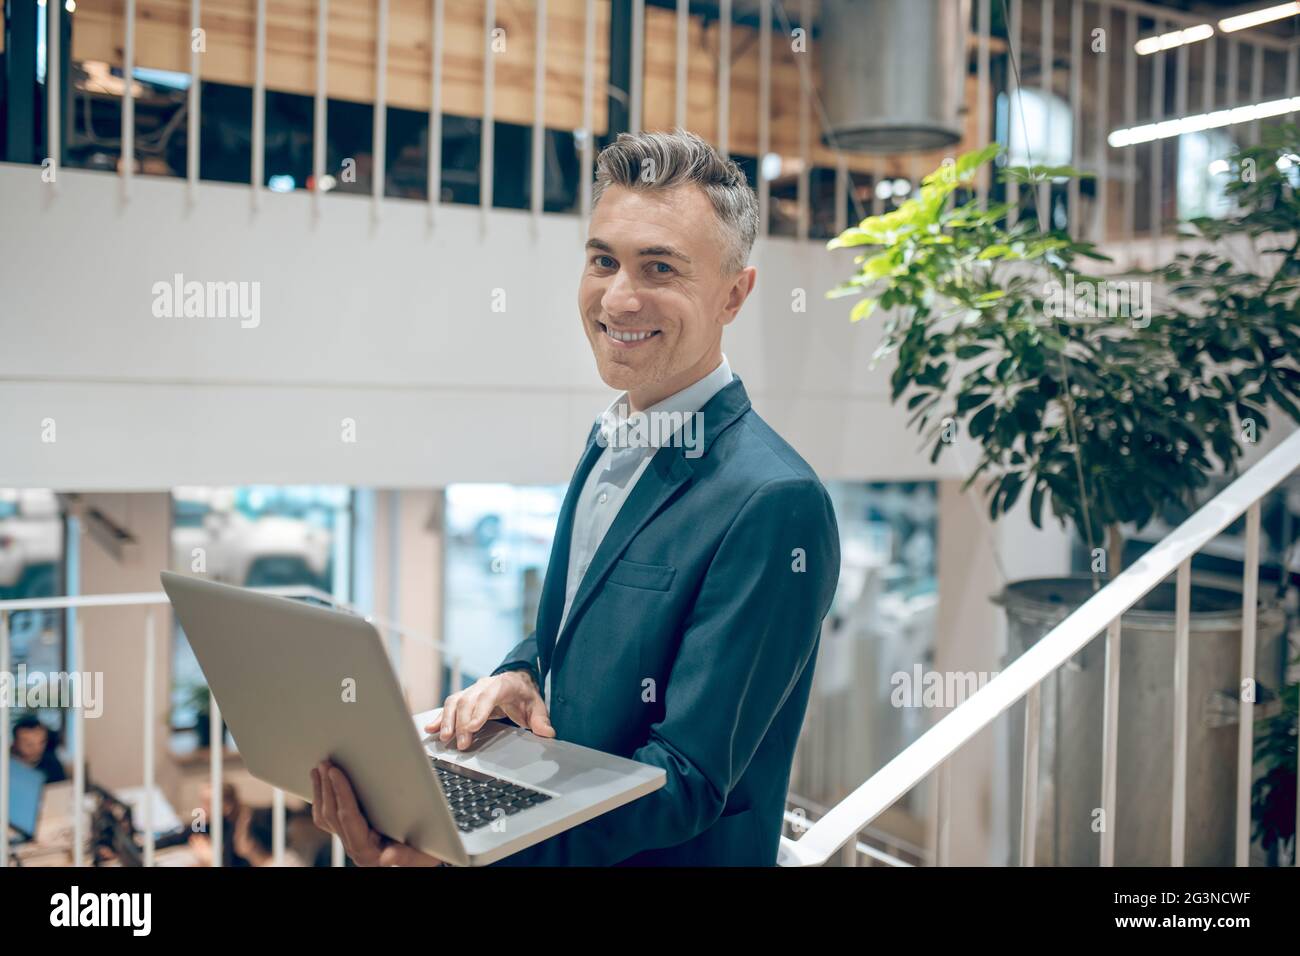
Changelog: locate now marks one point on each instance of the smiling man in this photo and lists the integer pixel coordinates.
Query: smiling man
(682, 606)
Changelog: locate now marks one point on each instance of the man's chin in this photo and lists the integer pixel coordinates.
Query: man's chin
(622, 377)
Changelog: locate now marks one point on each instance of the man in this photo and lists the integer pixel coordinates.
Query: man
(691, 568)
(34, 745)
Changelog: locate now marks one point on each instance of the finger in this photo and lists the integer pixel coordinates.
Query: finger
(539, 721)
(399, 854)
(516, 710)
(329, 820)
(356, 829)
(484, 707)
(316, 799)
(448, 718)
(434, 723)
(464, 711)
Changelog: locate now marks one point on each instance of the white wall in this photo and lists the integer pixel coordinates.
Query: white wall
(389, 323)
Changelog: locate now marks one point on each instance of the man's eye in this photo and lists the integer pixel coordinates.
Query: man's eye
(605, 262)
(661, 268)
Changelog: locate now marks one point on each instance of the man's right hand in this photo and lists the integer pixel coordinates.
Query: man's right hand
(511, 694)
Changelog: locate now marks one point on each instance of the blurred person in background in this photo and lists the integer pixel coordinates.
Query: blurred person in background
(34, 745)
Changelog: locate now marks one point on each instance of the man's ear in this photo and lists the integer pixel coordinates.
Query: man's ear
(738, 293)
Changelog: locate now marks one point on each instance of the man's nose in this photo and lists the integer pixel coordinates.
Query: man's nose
(620, 295)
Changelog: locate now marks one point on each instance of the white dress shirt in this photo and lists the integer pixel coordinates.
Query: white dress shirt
(616, 472)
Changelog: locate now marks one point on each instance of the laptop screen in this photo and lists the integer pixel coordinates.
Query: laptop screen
(25, 786)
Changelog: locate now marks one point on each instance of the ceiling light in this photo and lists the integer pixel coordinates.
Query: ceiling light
(1167, 41)
(1245, 21)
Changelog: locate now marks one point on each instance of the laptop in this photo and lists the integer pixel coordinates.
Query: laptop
(298, 683)
(26, 784)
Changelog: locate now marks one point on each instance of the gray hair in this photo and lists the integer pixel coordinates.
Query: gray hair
(664, 160)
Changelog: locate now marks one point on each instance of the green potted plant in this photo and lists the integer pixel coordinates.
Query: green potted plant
(198, 699)
(1081, 393)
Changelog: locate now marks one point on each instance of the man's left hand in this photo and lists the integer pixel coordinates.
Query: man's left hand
(334, 809)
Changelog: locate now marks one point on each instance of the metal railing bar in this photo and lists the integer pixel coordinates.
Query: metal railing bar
(318, 106)
(150, 649)
(127, 599)
(379, 148)
(865, 849)
(539, 112)
(53, 78)
(724, 77)
(1103, 155)
(636, 94)
(588, 107)
(78, 753)
(278, 816)
(984, 21)
(193, 120)
(1182, 629)
(1246, 719)
(258, 171)
(1014, 103)
(127, 157)
(435, 112)
(1029, 781)
(1110, 740)
(683, 30)
(216, 768)
(764, 113)
(5, 669)
(1047, 64)
(487, 136)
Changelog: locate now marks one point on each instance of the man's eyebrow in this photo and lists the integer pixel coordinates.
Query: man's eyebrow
(667, 251)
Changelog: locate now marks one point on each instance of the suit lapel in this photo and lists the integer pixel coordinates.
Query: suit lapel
(551, 605)
(666, 473)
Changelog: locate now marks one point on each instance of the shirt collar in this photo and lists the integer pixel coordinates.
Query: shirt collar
(615, 419)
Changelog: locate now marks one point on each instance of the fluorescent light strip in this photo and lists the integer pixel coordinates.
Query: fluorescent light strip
(1245, 21)
(1194, 124)
(1167, 41)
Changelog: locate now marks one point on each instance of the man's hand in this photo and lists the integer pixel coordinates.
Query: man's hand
(512, 694)
(334, 809)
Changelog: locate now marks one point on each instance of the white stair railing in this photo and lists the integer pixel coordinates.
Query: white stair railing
(1023, 678)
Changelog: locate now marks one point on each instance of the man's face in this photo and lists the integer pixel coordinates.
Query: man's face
(654, 298)
(31, 744)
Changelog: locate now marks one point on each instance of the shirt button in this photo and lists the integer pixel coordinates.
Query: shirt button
(603, 498)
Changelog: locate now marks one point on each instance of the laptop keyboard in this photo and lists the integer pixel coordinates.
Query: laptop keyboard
(474, 796)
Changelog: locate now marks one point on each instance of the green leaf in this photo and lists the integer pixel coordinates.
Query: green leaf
(862, 309)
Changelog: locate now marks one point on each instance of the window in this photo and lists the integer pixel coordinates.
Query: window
(498, 542)
(255, 536)
(881, 624)
(1203, 174)
(1038, 131)
(31, 565)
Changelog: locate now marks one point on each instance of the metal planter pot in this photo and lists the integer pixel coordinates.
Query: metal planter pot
(1070, 755)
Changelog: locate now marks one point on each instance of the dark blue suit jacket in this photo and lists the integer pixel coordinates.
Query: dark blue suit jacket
(690, 644)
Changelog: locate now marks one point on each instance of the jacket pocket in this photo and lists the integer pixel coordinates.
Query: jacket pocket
(650, 577)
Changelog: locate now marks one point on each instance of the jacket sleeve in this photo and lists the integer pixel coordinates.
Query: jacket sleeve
(746, 642)
(523, 656)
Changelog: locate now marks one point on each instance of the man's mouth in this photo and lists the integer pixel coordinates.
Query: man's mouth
(627, 338)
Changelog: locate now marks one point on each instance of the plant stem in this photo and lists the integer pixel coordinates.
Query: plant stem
(1114, 550)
